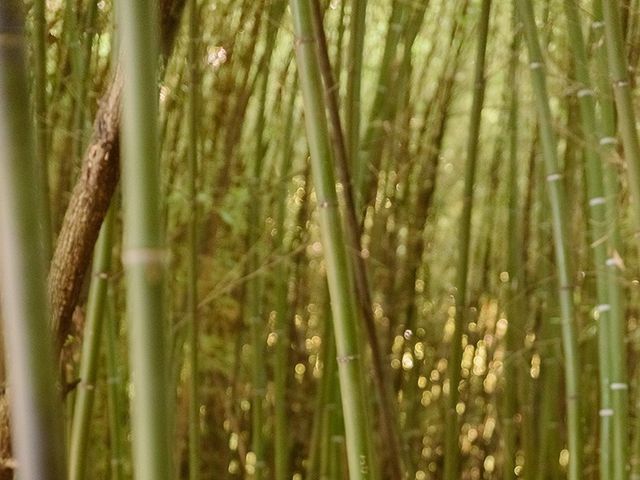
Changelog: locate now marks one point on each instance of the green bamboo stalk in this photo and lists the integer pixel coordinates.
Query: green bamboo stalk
(357, 29)
(35, 404)
(282, 443)
(144, 255)
(619, 76)
(557, 203)
(452, 451)
(388, 417)
(192, 288)
(613, 454)
(256, 285)
(40, 110)
(514, 268)
(353, 387)
(114, 393)
(90, 352)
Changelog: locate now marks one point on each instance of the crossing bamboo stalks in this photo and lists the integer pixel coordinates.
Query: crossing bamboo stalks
(613, 436)
(36, 424)
(143, 254)
(452, 450)
(388, 418)
(556, 194)
(353, 387)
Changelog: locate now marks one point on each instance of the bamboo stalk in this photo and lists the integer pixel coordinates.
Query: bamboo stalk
(613, 450)
(353, 387)
(388, 417)
(35, 404)
(144, 255)
(114, 393)
(192, 289)
(557, 203)
(90, 352)
(40, 110)
(452, 451)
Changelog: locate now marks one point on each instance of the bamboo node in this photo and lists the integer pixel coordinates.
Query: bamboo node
(343, 359)
(554, 177)
(606, 412)
(585, 92)
(603, 307)
(608, 141)
(535, 65)
(142, 256)
(598, 24)
(304, 39)
(619, 386)
(597, 201)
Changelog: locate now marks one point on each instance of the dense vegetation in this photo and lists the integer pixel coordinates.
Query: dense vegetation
(324, 240)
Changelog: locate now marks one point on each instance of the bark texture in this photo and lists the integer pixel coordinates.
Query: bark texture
(93, 191)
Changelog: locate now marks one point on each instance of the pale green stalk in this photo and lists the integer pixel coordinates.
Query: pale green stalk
(557, 203)
(144, 254)
(350, 364)
(36, 412)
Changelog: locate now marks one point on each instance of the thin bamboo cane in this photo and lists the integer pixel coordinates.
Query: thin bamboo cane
(353, 387)
(144, 255)
(28, 348)
(357, 29)
(452, 451)
(114, 393)
(192, 304)
(90, 352)
(40, 110)
(557, 203)
(514, 268)
(282, 443)
(619, 76)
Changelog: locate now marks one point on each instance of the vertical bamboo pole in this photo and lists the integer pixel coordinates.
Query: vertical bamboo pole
(619, 76)
(514, 268)
(557, 203)
(90, 351)
(35, 413)
(114, 392)
(40, 109)
(357, 29)
(353, 387)
(192, 288)
(452, 450)
(144, 255)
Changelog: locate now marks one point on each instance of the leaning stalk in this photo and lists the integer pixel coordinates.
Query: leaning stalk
(353, 387)
(557, 202)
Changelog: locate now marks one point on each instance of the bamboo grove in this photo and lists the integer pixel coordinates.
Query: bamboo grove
(315, 239)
